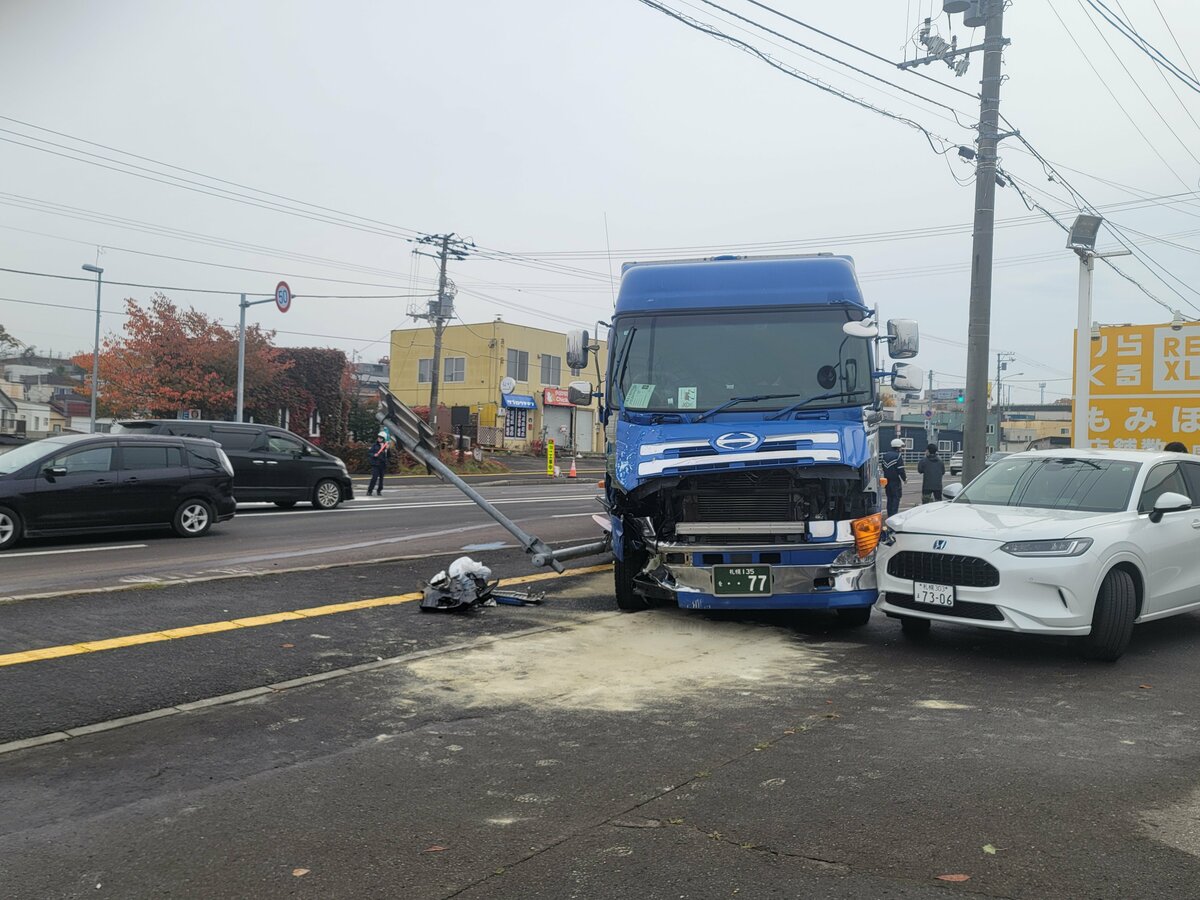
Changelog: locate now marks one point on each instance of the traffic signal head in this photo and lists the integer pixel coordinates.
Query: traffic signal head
(960, 398)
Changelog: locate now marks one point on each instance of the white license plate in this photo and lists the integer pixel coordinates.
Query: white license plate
(933, 594)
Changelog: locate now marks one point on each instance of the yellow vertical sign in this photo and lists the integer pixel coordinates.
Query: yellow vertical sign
(550, 457)
(1145, 387)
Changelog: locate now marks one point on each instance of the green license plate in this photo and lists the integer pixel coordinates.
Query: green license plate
(742, 581)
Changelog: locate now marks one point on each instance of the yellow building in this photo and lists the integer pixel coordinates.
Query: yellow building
(477, 360)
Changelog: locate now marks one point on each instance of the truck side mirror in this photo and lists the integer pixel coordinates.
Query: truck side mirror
(904, 338)
(906, 377)
(578, 345)
(579, 393)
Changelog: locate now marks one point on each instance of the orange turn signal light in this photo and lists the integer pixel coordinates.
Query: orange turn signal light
(867, 532)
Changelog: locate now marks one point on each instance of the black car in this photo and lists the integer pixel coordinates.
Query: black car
(83, 483)
(269, 463)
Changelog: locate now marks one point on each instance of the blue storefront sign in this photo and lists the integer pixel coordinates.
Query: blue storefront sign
(517, 401)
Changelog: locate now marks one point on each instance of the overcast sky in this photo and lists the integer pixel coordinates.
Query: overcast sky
(522, 125)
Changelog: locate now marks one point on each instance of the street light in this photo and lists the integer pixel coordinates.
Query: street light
(1082, 239)
(96, 346)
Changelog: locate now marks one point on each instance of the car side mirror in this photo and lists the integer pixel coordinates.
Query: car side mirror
(1169, 502)
(579, 393)
(907, 377)
(903, 338)
(951, 491)
(577, 348)
(56, 471)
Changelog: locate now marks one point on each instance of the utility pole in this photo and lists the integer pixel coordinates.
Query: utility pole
(1002, 360)
(440, 310)
(990, 14)
(1042, 398)
(980, 312)
(929, 410)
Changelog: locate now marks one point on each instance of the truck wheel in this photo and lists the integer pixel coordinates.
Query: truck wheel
(327, 494)
(854, 616)
(628, 600)
(914, 628)
(1112, 619)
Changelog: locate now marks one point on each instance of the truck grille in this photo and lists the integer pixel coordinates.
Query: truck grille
(943, 568)
(743, 497)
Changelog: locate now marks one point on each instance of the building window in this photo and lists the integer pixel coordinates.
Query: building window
(551, 369)
(285, 417)
(424, 371)
(908, 443)
(991, 429)
(518, 365)
(516, 422)
(454, 369)
(945, 446)
(314, 423)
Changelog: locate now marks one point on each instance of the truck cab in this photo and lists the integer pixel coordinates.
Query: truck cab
(741, 416)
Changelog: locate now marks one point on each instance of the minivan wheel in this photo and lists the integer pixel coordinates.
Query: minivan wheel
(327, 494)
(10, 528)
(193, 518)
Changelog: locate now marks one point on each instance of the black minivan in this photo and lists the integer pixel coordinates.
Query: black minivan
(80, 483)
(269, 463)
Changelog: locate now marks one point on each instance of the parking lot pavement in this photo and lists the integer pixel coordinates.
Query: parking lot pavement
(568, 750)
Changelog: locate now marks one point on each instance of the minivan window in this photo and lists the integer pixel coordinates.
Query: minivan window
(277, 443)
(157, 457)
(91, 459)
(202, 456)
(20, 457)
(234, 438)
(190, 429)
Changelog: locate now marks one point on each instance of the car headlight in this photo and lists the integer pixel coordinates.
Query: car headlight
(1064, 547)
(226, 464)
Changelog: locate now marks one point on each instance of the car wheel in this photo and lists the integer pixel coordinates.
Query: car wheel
(854, 617)
(628, 600)
(1112, 620)
(193, 518)
(915, 628)
(327, 494)
(10, 528)
(285, 504)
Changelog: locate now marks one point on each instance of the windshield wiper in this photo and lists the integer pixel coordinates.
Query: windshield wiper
(733, 401)
(1068, 460)
(795, 406)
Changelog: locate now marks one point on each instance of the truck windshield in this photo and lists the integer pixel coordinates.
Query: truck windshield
(697, 361)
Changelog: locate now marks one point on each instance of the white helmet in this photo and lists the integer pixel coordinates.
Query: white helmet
(897, 444)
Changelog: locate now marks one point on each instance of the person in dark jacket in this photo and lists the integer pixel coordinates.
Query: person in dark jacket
(932, 471)
(893, 470)
(378, 457)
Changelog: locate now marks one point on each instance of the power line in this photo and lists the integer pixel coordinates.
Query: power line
(1142, 44)
(189, 290)
(746, 47)
(1171, 32)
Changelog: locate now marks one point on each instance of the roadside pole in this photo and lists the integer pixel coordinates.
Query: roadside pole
(282, 298)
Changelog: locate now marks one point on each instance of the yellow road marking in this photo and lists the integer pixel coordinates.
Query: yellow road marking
(171, 634)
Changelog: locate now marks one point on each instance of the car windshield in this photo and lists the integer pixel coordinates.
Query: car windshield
(20, 457)
(1099, 485)
(686, 362)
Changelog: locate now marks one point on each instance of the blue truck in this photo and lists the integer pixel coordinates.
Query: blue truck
(741, 416)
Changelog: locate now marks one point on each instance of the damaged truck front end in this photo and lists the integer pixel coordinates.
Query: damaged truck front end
(741, 421)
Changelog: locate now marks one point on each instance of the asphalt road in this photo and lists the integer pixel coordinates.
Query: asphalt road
(310, 732)
(409, 520)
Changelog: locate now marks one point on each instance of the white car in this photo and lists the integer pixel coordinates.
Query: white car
(1069, 542)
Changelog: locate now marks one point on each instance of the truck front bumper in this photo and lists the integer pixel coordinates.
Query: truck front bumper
(797, 583)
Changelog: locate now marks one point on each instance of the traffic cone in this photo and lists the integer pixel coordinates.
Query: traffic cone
(572, 474)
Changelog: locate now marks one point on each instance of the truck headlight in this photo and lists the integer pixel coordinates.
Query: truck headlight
(850, 558)
(1064, 547)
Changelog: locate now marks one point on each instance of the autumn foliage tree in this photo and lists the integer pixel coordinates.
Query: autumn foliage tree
(168, 359)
